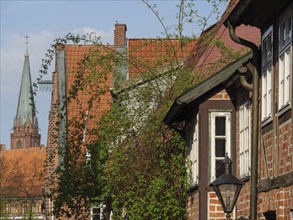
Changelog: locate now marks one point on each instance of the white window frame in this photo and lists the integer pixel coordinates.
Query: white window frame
(213, 137)
(101, 207)
(267, 71)
(245, 139)
(192, 156)
(285, 60)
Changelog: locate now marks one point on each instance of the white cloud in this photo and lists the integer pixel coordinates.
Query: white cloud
(106, 36)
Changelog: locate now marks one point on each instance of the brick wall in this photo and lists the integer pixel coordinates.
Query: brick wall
(285, 145)
(120, 35)
(215, 210)
(279, 200)
(52, 148)
(222, 95)
(267, 150)
(278, 152)
(275, 160)
(243, 203)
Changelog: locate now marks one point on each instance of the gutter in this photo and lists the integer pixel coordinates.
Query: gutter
(237, 12)
(255, 106)
(218, 79)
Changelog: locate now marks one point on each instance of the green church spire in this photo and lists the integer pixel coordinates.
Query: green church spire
(25, 108)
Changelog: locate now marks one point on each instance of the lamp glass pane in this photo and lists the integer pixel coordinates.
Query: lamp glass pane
(228, 194)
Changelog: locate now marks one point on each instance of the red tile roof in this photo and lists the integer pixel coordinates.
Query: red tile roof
(145, 54)
(207, 57)
(78, 107)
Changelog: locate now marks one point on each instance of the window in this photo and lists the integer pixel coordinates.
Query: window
(285, 59)
(267, 66)
(220, 131)
(192, 155)
(16, 208)
(19, 144)
(37, 207)
(8, 208)
(97, 212)
(25, 207)
(244, 138)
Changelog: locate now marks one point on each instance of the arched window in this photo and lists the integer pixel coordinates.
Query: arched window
(19, 144)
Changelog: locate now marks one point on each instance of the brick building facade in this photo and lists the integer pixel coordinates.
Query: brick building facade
(205, 105)
(272, 184)
(208, 107)
(274, 179)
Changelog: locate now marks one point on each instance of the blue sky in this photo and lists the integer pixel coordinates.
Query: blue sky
(44, 21)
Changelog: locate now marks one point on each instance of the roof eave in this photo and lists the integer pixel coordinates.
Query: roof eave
(204, 88)
(260, 12)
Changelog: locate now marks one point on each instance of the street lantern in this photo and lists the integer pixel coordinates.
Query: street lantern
(227, 187)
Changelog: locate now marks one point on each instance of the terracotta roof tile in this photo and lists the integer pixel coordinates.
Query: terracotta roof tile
(151, 53)
(206, 57)
(143, 54)
(76, 107)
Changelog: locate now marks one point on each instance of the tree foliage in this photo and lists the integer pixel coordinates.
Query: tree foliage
(21, 177)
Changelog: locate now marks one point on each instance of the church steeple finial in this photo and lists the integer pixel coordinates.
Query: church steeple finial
(26, 47)
(25, 127)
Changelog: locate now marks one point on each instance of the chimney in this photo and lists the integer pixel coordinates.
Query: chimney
(120, 35)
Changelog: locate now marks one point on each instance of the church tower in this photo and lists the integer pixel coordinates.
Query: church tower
(25, 126)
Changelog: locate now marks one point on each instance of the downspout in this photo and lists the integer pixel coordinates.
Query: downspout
(255, 118)
(62, 104)
(242, 79)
